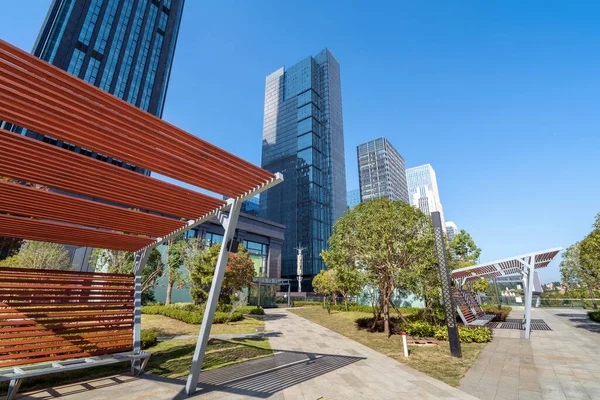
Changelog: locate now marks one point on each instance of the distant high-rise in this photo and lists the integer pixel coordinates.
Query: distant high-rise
(124, 47)
(423, 190)
(451, 230)
(353, 197)
(303, 138)
(381, 171)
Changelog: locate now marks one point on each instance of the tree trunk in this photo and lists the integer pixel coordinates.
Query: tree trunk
(386, 319)
(169, 290)
(346, 302)
(334, 299)
(593, 298)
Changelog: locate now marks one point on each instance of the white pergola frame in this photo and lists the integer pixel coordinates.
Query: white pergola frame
(227, 215)
(525, 265)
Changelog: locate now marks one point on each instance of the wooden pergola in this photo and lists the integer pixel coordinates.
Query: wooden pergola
(88, 202)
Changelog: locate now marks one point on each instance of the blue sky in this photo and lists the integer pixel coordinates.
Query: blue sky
(501, 98)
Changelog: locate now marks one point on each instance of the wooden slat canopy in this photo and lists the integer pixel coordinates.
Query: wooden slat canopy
(46, 99)
(508, 266)
(58, 195)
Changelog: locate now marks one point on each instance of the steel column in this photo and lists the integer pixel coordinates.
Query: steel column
(529, 300)
(140, 259)
(230, 225)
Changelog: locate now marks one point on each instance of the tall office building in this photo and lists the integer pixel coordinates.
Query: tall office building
(381, 171)
(303, 138)
(353, 197)
(423, 190)
(124, 47)
(451, 230)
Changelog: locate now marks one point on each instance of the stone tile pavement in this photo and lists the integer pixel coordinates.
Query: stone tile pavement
(310, 363)
(560, 364)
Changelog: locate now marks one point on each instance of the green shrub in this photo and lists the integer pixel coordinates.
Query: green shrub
(466, 334)
(257, 311)
(501, 314)
(181, 313)
(301, 303)
(148, 338)
(420, 328)
(594, 315)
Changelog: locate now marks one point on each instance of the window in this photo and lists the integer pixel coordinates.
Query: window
(213, 238)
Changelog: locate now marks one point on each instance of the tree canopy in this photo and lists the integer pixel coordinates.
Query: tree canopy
(580, 265)
(390, 241)
(464, 249)
(40, 255)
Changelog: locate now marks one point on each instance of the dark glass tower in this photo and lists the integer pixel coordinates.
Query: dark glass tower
(124, 47)
(303, 138)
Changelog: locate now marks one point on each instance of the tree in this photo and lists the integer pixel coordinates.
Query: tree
(238, 273)
(464, 249)
(121, 262)
(176, 251)
(387, 239)
(575, 273)
(324, 283)
(40, 255)
(348, 281)
(201, 267)
(480, 285)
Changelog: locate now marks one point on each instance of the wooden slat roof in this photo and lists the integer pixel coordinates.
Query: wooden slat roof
(88, 202)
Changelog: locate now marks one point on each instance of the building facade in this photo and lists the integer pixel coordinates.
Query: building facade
(303, 138)
(451, 230)
(124, 47)
(423, 190)
(381, 171)
(263, 240)
(353, 197)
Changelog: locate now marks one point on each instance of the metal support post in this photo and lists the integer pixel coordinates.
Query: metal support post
(449, 306)
(530, 280)
(230, 225)
(497, 294)
(140, 259)
(289, 294)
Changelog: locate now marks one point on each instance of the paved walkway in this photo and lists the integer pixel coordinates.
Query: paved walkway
(560, 364)
(311, 362)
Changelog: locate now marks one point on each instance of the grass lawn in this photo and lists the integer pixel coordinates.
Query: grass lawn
(165, 326)
(170, 358)
(434, 361)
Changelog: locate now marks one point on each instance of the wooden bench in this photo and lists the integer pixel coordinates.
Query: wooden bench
(15, 375)
(469, 309)
(56, 321)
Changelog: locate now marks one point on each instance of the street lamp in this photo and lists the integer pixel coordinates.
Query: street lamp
(299, 266)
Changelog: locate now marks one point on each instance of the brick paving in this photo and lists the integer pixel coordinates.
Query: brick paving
(560, 364)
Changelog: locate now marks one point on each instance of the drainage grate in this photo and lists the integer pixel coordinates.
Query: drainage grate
(536, 325)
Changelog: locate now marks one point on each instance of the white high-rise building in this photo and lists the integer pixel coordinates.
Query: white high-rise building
(423, 190)
(451, 230)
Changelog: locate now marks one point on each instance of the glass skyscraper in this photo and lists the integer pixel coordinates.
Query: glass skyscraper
(381, 171)
(303, 138)
(124, 47)
(353, 197)
(423, 190)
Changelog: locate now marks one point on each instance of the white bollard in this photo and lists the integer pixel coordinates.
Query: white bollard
(405, 344)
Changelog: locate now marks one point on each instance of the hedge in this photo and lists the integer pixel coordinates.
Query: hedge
(501, 314)
(256, 311)
(301, 303)
(194, 315)
(149, 338)
(426, 329)
(594, 315)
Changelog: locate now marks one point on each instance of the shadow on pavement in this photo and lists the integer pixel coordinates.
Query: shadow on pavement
(259, 378)
(581, 321)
